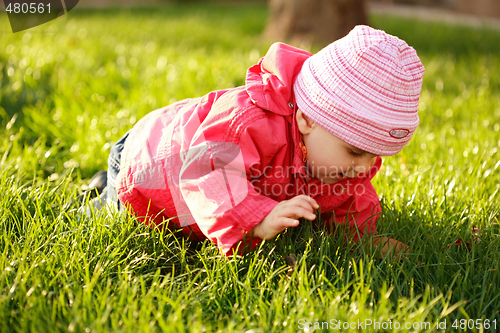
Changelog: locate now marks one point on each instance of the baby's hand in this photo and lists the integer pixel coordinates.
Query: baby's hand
(284, 215)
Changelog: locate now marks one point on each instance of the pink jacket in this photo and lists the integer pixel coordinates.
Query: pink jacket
(218, 164)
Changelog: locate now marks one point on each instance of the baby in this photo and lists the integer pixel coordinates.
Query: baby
(305, 133)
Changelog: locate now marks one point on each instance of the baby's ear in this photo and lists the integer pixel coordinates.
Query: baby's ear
(304, 124)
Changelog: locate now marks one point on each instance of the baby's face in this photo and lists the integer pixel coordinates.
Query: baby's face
(329, 158)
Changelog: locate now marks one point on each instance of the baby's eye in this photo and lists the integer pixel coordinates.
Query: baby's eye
(354, 153)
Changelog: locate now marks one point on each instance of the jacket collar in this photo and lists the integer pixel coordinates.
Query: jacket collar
(269, 83)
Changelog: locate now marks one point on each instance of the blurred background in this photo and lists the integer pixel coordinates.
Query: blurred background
(299, 20)
(485, 8)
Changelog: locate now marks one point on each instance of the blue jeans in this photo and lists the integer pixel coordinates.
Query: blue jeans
(113, 169)
(109, 197)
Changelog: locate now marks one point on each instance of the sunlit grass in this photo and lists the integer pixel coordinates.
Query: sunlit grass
(71, 88)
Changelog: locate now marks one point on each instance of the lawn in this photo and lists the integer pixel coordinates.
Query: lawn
(70, 88)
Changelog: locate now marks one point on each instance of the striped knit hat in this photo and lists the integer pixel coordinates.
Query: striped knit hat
(364, 89)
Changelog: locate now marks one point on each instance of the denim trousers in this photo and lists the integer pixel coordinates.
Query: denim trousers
(115, 154)
(108, 198)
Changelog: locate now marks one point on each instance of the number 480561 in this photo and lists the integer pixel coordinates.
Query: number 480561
(26, 8)
(474, 324)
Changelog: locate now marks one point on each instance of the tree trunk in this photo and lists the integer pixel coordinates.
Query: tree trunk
(319, 22)
(483, 8)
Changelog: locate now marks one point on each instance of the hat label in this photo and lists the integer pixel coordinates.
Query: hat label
(399, 133)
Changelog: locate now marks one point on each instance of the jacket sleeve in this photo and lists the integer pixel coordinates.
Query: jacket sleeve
(223, 203)
(214, 185)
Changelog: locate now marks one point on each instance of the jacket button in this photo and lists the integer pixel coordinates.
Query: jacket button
(290, 104)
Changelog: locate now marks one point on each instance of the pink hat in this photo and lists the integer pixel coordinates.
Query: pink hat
(364, 89)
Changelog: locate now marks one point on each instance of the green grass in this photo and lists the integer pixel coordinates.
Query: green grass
(70, 88)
